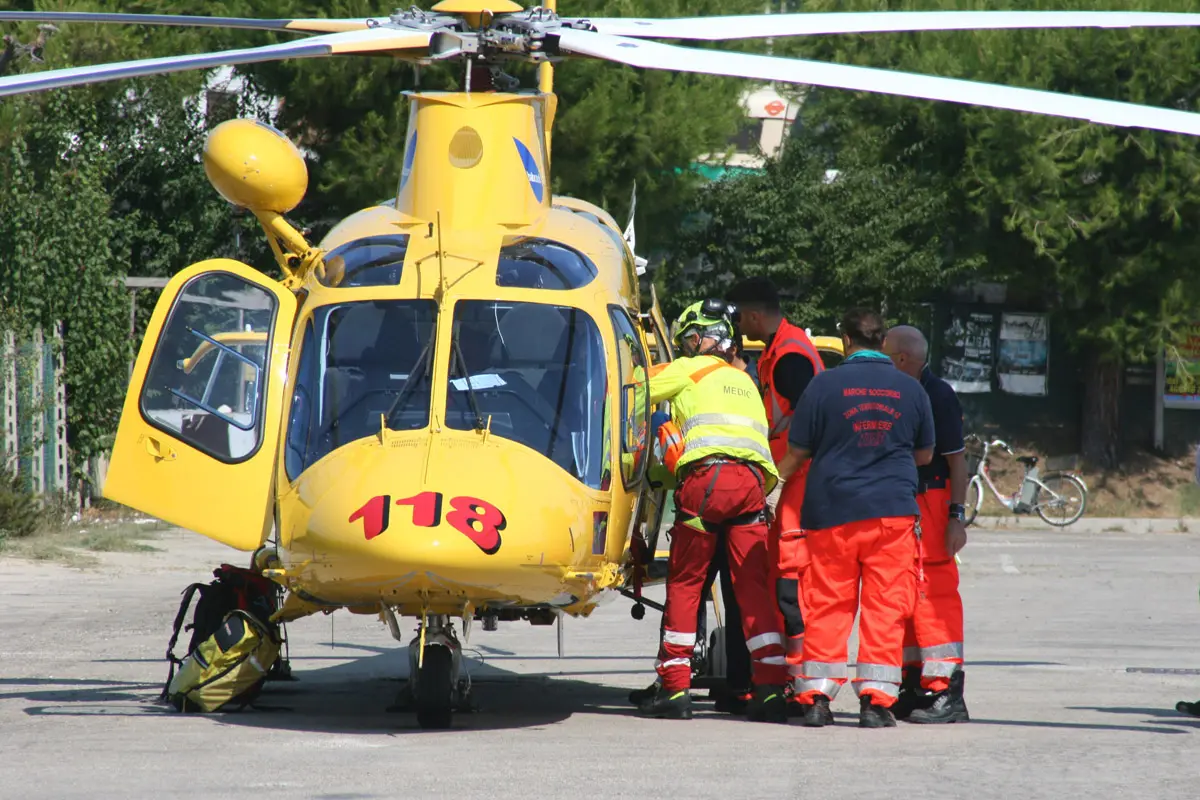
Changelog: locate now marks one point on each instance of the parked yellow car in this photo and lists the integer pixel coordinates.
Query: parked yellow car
(830, 348)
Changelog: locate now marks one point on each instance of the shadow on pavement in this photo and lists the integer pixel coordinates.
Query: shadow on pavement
(1167, 716)
(970, 664)
(350, 697)
(1082, 726)
(72, 690)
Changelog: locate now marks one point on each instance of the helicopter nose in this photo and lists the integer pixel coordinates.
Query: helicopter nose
(484, 518)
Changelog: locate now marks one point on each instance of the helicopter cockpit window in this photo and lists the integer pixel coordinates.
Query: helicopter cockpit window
(360, 363)
(535, 374)
(206, 381)
(542, 264)
(371, 261)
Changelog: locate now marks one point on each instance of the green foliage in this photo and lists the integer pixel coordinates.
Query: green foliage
(60, 263)
(1092, 218)
(869, 234)
(19, 510)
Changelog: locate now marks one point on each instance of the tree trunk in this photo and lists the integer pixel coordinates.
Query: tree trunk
(1101, 432)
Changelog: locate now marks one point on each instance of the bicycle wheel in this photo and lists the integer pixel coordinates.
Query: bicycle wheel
(1067, 500)
(974, 500)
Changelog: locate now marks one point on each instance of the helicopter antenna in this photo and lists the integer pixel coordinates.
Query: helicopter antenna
(631, 235)
(440, 292)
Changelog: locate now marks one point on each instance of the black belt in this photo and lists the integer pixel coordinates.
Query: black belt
(932, 483)
(712, 461)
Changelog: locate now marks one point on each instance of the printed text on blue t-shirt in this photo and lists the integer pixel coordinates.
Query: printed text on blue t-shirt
(871, 432)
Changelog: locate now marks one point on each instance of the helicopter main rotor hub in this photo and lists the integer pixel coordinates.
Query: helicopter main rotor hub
(524, 36)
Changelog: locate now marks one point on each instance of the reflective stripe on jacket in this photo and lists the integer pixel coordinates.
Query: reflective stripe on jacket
(788, 339)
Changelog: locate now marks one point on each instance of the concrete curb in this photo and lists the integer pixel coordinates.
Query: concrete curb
(1092, 524)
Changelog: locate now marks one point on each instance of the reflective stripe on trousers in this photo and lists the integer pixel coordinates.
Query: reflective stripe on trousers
(878, 672)
(877, 679)
(762, 640)
(795, 653)
(892, 690)
(943, 652)
(676, 637)
(938, 661)
(821, 676)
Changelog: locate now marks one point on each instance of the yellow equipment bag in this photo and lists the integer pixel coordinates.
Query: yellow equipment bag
(226, 670)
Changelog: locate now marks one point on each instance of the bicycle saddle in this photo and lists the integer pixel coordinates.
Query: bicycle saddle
(1029, 461)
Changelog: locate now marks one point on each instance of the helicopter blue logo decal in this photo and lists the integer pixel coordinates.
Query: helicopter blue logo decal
(409, 155)
(531, 169)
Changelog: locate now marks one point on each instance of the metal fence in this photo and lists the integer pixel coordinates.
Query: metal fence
(33, 411)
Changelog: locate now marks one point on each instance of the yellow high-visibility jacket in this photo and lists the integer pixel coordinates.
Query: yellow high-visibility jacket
(719, 411)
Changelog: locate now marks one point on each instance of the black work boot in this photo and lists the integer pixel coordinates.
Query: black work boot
(912, 695)
(731, 701)
(947, 706)
(668, 705)
(769, 704)
(639, 696)
(872, 715)
(817, 715)
(1184, 707)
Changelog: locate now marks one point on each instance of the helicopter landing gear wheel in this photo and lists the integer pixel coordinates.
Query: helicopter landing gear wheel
(433, 692)
(436, 688)
(715, 664)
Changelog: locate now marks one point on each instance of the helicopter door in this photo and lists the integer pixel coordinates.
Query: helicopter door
(653, 504)
(198, 437)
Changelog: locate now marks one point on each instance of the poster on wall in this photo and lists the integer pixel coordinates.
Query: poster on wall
(1181, 388)
(968, 356)
(1023, 355)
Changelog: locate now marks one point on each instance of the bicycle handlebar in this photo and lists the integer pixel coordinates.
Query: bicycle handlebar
(999, 443)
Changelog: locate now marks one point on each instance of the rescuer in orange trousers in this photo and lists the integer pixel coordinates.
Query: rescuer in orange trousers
(723, 466)
(866, 426)
(788, 363)
(932, 688)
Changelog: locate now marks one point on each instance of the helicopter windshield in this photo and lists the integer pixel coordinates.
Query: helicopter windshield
(542, 264)
(371, 261)
(360, 361)
(534, 374)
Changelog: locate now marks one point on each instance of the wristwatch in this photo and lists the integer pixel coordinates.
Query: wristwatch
(958, 511)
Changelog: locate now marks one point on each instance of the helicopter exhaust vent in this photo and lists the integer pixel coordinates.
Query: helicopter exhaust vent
(466, 148)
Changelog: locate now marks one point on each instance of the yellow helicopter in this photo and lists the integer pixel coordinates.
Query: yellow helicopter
(439, 411)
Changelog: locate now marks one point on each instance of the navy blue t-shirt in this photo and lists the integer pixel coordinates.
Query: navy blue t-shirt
(861, 421)
(948, 422)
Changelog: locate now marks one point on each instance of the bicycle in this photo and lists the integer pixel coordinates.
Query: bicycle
(1057, 490)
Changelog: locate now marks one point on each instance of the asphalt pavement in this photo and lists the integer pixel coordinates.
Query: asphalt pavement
(1079, 643)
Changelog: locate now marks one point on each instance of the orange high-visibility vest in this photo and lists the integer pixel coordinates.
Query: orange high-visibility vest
(788, 339)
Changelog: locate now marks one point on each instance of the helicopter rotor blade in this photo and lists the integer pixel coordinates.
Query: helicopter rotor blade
(187, 21)
(373, 40)
(653, 55)
(756, 26)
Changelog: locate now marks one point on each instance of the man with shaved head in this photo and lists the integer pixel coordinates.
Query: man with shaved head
(932, 687)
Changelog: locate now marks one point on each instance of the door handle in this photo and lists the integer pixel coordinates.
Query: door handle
(159, 450)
